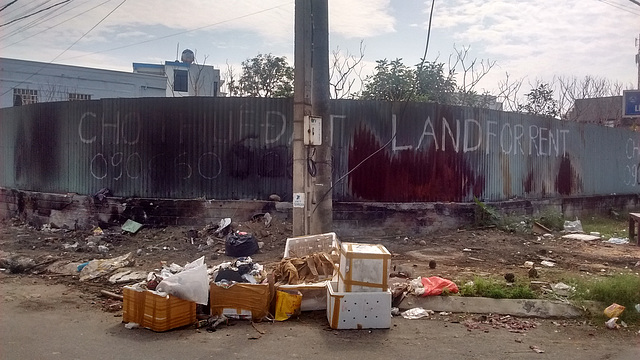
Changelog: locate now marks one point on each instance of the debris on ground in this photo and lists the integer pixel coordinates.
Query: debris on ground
(618, 241)
(512, 324)
(131, 226)
(100, 267)
(573, 226)
(536, 349)
(416, 313)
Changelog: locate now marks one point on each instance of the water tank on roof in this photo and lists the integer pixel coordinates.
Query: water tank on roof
(187, 56)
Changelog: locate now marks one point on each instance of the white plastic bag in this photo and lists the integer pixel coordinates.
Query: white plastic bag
(573, 226)
(190, 284)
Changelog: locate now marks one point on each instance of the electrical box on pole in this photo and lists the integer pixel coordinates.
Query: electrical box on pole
(313, 130)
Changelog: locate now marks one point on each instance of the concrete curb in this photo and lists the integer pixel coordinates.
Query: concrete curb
(480, 305)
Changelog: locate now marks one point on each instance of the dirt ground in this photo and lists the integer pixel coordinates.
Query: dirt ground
(49, 295)
(458, 254)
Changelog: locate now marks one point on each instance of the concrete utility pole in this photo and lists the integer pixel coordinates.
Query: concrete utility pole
(312, 179)
(638, 61)
(322, 209)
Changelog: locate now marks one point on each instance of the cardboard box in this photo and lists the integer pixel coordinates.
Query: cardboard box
(155, 312)
(358, 310)
(240, 300)
(363, 268)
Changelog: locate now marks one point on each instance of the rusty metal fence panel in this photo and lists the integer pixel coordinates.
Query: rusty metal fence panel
(240, 148)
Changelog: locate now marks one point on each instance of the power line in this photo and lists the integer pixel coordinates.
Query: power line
(179, 33)
(620, 7)
(37, 12)
(9, 4)
(51, 27)
(44, 17)
(70, 46)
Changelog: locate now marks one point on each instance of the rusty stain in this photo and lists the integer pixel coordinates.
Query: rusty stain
(409, 176)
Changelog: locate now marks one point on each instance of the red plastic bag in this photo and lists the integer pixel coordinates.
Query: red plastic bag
(434, 285)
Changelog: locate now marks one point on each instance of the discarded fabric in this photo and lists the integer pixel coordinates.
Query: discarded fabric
(432, 286)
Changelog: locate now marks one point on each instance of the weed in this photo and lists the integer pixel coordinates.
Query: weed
(485, 215)
(621, 289)
(495, 289)
(552, 219)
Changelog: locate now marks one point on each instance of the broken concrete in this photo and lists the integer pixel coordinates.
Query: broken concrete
(479, 305)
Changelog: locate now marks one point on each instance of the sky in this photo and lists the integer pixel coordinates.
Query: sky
(527, 39)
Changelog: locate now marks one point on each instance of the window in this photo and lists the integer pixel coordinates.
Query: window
(181, 80)
(73, 97)
(24, 97)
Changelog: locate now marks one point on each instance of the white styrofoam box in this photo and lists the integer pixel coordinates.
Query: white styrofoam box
(314, 295)
(363, 267)
(358, 310)
(301, 246)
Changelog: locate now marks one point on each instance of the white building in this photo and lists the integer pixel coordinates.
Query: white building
(25, 82)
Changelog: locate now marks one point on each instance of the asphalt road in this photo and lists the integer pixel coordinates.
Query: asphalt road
(44, 321)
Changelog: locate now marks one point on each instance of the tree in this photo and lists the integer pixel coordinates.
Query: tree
(472, 71)
(345, 73)
(394, 81)
(508, 93)
(391, 81)
(433, 85)
(266, 76)
(572, 89)
(540, 101)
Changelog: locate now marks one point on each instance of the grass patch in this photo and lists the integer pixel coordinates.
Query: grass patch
(621, 289)
(496, 289)
(608, 227)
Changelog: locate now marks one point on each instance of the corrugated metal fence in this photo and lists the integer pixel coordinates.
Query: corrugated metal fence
(240, 148)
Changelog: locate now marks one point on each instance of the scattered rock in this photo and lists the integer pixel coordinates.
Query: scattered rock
(422, 243)
(533, 273)
(432, 264)
(275, 197)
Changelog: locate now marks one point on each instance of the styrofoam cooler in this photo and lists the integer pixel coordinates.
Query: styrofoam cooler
(301, 246)
(358, 310)
(363, 268)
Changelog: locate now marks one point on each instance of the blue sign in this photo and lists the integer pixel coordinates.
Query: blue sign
(631, 103)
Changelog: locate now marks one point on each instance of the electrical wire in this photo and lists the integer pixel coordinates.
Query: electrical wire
(9, 4)
(180, 33)
(620, 7)
(37, 21)
(51, 27)
(37, 12)
(312, 169)
(70, 46)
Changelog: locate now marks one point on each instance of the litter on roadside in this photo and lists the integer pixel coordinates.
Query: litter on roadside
(131, 226)
(416, 313)
(617, 241)
(573, 226)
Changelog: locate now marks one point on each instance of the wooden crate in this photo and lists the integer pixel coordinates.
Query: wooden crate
(133, 305)
(155, 312)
